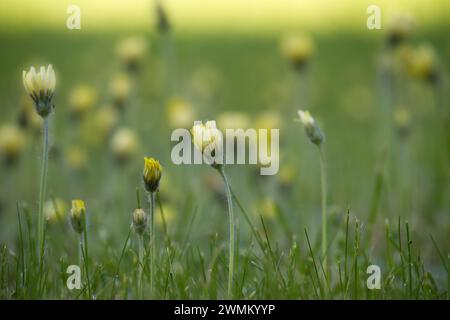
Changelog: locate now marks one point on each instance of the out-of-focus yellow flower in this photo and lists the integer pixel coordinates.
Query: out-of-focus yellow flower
(169, 215)
(399, 28)
(423, 63)
(208, 140)
(180, 113)
(12, 143)
(266, 208)
(106, 119)
(132, 50)
(55, 210)
(124, 145)
(268, 120)
(41, 87)
(139, 221)
(119, 89)
(152, 174)
(298, 49)
(76, 158)
(312, 129)
(233, 120)
(287, 175)
(82, 99)
(402, 120)
(78, 215)
(28, 118)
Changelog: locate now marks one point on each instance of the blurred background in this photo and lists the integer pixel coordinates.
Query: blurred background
(137, 69)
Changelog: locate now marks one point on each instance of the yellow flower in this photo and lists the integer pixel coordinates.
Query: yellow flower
(208, 140)
(312, 129)
(106, 119)
(41, 87)
(152, 174)
(233, 120)
(119, 89)
(78, 215)
(423, 63)
(131, 50)
(76, 158)
(287, 175)
(267, 208)
(124, 145)
(402, 120)
(399, 28)
(298, 49)
(139, 220)
(12, 143)
(180, 113)
(55, 210)
(81, 100)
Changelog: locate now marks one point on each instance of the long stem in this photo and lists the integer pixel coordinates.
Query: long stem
(231, 232)
(323, 180)
(42, 191)
(152, 239)
(141, 268)
(85, 256)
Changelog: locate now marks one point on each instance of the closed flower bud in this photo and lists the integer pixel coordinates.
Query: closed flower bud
(208, 140)
(119, 89)
(180, 113)
(55, 210)
(41, 87)
(312, 130)
(78, 216)
(152, 174)
(298, 49)
(423, 64)
(399, 28)
(132, 51)
(124, 145)
(139, 221)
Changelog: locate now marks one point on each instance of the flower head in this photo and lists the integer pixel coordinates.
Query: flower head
(139, 221)
(119, 89)
(152, 174)
(399, 28)
(298, 49)
(131, 51)
(41, 87)
(423, 64)
(180, 113)
(78, 215)
(12, 143)
(208, 140)
(124, 145)
(312, 129)
(82, 99)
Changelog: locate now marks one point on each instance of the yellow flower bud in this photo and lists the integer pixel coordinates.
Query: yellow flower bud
(131, 51)
(399, 28)
(124, 145)
(12, 143)
(208, 140)
(76, 158)
(180, 113)
(152, 174)
(82, 100)
(298, 49)
(423, 64)
(41, 87)
(139, 221)
(78, 216)
(312, 129)
(55, 210)
(119, 89)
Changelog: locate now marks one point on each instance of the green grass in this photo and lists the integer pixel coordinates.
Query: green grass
(279, 256)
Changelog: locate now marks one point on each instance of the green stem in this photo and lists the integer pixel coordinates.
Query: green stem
(323, 180)
(85, 258)
(42, 190)
(152, 239)
(141, 268)
(231, 232)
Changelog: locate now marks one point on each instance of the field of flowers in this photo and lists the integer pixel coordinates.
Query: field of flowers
(363, 180)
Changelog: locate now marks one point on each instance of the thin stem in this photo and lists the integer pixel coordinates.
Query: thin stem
(231, 232)
(323, 180)
(42, 191)
(83, 236)
(141, 268)
(151, 200)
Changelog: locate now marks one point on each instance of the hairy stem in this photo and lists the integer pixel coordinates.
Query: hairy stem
(42, 192)
(323, 182)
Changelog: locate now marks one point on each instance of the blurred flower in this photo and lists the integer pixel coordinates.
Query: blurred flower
(162, 23)
(267, 208)
(41, 87)
(298, 49)
(207, 139)
(78, 215)
(423, 64)
(76, 158)
(169, 215)
(399, 28)
(152, 174)
(82, 99)
(180, 113)
(139, 221)
(287, 175)
(28, 118)
(12, 143)
(105, 119)
(268, 120)
(55, 210)
(124, 145)
(119, 89)
(402, 120)
(131, 51)
(312, 130)
(233, 120)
